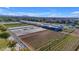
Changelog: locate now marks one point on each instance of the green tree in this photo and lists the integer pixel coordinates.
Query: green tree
(4, 35)
(2, 27)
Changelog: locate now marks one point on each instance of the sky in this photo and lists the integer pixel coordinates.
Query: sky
(41, 11)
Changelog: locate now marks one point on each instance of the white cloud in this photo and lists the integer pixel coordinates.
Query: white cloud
(38, 14)
(6, 11)
(54, 15)
(57, 15)
(75, 12)
(6, 7)
(44, 14)
(13, 14)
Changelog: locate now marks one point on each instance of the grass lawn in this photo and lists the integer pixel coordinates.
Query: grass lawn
(15, 25)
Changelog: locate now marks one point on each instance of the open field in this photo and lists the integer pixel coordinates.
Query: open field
(40, 39)
(51, 41)
(15, 25)
(70, 42)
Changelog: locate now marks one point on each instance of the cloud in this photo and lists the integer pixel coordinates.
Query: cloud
(8, 11)
(44, 14)
(12, 14)
(57, 15)
(54, 14)
(7, 7)
(4, 10)
(75, 12)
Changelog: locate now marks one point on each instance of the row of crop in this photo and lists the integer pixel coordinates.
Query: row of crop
(52, 43)
(66, 43)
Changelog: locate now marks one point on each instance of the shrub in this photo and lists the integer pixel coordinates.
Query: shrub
(4, 35)
(11, 44)
(2, 27)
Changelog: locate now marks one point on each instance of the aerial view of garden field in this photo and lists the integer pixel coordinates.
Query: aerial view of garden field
(37, 31)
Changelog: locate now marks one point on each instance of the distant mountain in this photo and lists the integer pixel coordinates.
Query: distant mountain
(25, 16)
(14, 16)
